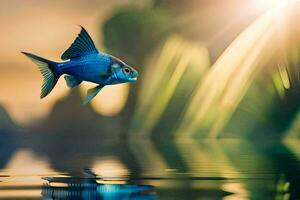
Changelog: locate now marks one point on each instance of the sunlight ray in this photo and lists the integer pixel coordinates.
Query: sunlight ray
(228, 80)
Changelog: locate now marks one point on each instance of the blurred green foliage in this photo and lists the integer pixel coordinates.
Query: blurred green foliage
(133, 33)
(137, 34)
(271, 106)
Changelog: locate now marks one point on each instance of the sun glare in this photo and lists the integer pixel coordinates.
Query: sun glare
(271, 3)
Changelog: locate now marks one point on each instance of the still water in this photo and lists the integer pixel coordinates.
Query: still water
(119, 169)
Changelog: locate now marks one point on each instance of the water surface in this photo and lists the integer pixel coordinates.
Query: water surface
(116, 169)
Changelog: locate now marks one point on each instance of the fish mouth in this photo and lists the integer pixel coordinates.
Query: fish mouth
(133, 79)
(134, 76)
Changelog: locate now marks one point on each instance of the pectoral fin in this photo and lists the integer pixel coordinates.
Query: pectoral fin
(72, 81)
(91, 93)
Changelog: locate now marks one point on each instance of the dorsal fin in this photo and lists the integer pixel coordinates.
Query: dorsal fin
(82, 45)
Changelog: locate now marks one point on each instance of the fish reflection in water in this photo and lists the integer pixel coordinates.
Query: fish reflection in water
(88, 188)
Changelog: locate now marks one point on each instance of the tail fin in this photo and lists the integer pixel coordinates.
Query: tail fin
(49, 72)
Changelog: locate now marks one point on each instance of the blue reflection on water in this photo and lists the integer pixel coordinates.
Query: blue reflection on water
(88, 188)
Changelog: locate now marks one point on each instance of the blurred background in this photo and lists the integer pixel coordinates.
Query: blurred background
(214, 113)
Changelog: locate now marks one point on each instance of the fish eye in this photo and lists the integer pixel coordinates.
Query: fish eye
(126, 70)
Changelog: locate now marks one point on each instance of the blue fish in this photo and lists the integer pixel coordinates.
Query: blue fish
(85, 63)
